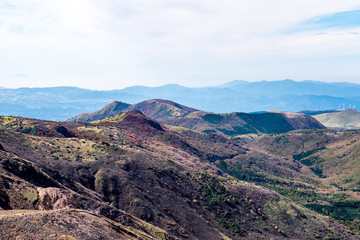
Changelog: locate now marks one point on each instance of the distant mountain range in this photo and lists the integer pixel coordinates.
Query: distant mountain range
(230, 124)
(61, 103)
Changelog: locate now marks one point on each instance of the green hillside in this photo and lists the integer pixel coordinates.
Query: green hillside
(346, 119)
(317, 168)
(233, 124)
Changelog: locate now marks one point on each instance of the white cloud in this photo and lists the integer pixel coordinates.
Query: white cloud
(89, 43)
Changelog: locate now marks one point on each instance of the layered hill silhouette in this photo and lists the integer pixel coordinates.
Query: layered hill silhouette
(346, 119)
(129, 176)
(231, 124)
(61, 103)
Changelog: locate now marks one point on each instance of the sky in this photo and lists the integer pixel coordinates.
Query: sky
(112, 44)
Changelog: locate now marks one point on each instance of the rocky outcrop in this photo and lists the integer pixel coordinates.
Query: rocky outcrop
(52, 199)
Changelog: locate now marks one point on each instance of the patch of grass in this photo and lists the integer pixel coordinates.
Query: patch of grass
(219, 201)
(213, 118)
(346, 212)
(306, 154)
(311, 161)
(267, 122)
(30, 194)
(318, 171)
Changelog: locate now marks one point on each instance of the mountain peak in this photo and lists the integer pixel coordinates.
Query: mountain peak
(154, 108)
(161, 109)
(111, 109)
(116, 106)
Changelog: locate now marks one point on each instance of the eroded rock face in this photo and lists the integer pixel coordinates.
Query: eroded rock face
(52, 199)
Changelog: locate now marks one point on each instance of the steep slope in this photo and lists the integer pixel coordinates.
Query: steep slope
(43, 208)
(111, 109)
(346, 119)
(302, 121)
(133, 164)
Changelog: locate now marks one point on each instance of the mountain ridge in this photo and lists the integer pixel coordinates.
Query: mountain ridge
(175, 114)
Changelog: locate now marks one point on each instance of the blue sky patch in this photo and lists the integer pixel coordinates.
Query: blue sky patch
(339, 20)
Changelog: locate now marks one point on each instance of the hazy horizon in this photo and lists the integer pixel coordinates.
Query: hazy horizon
(177, 84)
